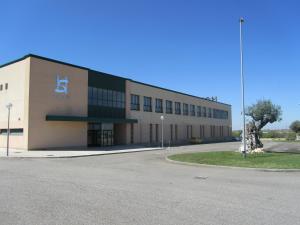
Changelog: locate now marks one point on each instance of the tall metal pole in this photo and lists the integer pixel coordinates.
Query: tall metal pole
(162, 134)
(8, 129)
(162, 131)
(243, 88)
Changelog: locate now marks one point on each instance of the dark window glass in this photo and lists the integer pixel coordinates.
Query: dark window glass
(198, 111)
(209, 113)
(177, 108)
(106, 98)
(185, 109)
(135, 102)
(147, 104)
(6, 86)
(13, 131)
(156, 132)
(169, 107)
(158, 105)
(95, 94)
(220, 114)
(204, 111)
(150, 132)
(192, 110)
(90, 95)
(131, 133)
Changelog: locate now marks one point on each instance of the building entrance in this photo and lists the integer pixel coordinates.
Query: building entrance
(100, 134)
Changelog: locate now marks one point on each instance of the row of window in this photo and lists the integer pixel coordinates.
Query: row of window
(2, 87)
(106, 98)
(12, 131)
(223, 131)
(192, 110)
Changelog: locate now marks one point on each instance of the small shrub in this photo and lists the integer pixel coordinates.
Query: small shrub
(291, 136)
(195, 141)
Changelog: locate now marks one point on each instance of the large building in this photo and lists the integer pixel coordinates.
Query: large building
(57, 105)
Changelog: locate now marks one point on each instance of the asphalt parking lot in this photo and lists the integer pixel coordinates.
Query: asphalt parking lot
(142, 188)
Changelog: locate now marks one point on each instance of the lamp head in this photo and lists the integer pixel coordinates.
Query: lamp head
(9, 105)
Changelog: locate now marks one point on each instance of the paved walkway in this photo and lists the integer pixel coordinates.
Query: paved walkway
(62, 153)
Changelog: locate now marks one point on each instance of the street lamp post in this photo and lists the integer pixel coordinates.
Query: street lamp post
(8, 106)
(162, 131)
(242, 89)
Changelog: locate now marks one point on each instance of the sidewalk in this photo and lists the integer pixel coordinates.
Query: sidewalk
(68, 153)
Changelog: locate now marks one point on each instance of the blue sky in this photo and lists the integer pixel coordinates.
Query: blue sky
(189, 45)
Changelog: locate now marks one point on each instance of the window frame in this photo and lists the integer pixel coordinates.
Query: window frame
(134, 102)
(169, 107)
(159, 108)
(147, 107)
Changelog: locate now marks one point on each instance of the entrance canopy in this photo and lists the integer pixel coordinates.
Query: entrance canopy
(89, 119)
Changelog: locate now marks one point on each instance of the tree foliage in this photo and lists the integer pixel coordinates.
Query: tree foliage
(236, 133)
(264, 112)
(295, 126)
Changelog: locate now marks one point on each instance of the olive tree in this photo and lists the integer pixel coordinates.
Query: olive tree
(295, 126)
(261, 113)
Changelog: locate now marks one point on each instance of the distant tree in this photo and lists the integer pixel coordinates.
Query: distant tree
(262, 113)
(236, 133)
(295, 126)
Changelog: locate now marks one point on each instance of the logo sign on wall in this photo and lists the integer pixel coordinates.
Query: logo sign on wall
(62, 85)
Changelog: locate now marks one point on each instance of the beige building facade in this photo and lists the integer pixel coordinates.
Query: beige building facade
(61, 105)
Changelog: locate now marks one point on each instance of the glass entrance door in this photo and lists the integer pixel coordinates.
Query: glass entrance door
(107, 137)
(99, 137)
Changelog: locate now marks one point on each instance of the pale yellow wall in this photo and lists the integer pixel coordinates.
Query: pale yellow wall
(44, 101)
(142, 130)
(17, 77)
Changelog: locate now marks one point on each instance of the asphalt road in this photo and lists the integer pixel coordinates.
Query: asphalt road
(142, 188)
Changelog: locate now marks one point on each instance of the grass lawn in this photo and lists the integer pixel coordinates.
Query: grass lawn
(265, 160)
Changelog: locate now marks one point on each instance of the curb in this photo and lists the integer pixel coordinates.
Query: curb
(229, 167)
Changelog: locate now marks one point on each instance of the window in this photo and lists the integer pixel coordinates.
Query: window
(185, 109)
(220, 114)
(158, 105)
(171, 129)
(1, 87)
(202, 131)
(150, 133)
(156, 132)
(147, 104)
(209, 113)
(177, 108)
(192, 110)
(131, 133)
(199, 111)
(6, 86)
(135, 102)
(212, 131)
(204, 111)
(106, 98)
(176, 132)
(14, 131)
(169, 107)
(187, 132)
(221, 131)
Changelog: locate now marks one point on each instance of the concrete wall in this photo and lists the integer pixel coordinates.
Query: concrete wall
(16, 75)
(184, 123)
(43, 100)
